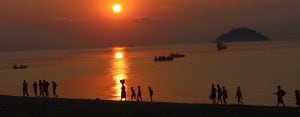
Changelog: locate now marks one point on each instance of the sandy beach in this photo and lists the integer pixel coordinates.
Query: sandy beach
(19, 106)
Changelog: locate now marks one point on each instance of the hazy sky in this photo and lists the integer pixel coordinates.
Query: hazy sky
(55, 24)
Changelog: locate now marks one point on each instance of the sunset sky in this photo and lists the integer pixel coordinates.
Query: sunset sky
(58, 24)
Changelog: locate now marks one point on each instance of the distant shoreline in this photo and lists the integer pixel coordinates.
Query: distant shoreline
(19, 106)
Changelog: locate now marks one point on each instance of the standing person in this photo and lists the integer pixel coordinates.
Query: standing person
(150, 93)
(54, 85)
(139, 96)
(25, 89)
(219, 90)
(123, 90)
(297, 95)
(46, 87)
(239, 96)
(133, 95)
(225, 96)
(280, 93)
(213, 94)
(41, 89)
(35, 88)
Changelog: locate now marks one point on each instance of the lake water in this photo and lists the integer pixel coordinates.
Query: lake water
(95, 73)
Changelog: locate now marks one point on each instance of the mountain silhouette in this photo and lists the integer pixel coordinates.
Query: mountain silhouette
(242, 34)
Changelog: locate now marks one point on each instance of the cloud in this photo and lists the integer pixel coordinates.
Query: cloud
(145, 19)
(68, 19)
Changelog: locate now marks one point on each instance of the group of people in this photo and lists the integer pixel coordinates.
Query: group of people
(43, 89)
(219, 95)
(137, 97)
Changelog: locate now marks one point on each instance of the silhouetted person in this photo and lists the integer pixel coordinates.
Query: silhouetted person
(219, 90)
(133, 95)
(139, 96)
(150, 93)
(41, 88)
(297, 96)
(239, 96)
(213, 94)
(35, 86)
(54, 85)
(123, 90)
(46, 89)
(25, 89)
(280, 93)
(225, 96)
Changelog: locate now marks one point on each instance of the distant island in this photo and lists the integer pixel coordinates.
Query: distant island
(241, 35)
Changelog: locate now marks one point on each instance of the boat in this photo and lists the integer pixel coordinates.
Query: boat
(176, 55)
(19, 67)
(163, 58)
(220, 45)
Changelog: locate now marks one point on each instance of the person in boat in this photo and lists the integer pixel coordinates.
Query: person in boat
(15, 66)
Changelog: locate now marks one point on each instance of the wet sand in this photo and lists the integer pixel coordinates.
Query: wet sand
(19, 106)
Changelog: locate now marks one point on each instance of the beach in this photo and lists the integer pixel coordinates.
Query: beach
(258, 68)
(36, 107)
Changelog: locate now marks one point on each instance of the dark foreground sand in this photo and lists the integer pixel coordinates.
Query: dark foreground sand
(18, 106)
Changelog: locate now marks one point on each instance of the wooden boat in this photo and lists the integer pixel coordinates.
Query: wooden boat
(19, 67)
(163, 58)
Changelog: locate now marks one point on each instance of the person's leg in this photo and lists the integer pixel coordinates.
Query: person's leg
(23, 93)
(27, 93)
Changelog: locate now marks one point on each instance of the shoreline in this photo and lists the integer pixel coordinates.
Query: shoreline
(20, 106)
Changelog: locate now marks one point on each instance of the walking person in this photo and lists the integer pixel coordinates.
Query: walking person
(297, 96)
(41, 89)
(139, 96)
(280, 93)
(239, 96)
(213, 94)
(46, 89)
(123, 90)
(225, 96)
(54, 85)
(25, 89)
(219, 90)
(150, 93)
(133, 95)
(35, 86)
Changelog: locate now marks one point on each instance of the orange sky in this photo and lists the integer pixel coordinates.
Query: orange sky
(54, 24)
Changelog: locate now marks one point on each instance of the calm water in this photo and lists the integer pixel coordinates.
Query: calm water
(257, 67)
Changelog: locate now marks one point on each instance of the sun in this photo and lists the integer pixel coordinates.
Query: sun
(119, 55)
(117, 8)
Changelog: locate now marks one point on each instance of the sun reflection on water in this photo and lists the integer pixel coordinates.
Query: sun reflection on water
(119, 70)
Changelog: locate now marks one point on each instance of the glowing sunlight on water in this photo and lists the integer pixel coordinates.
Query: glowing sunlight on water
(119, 70)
